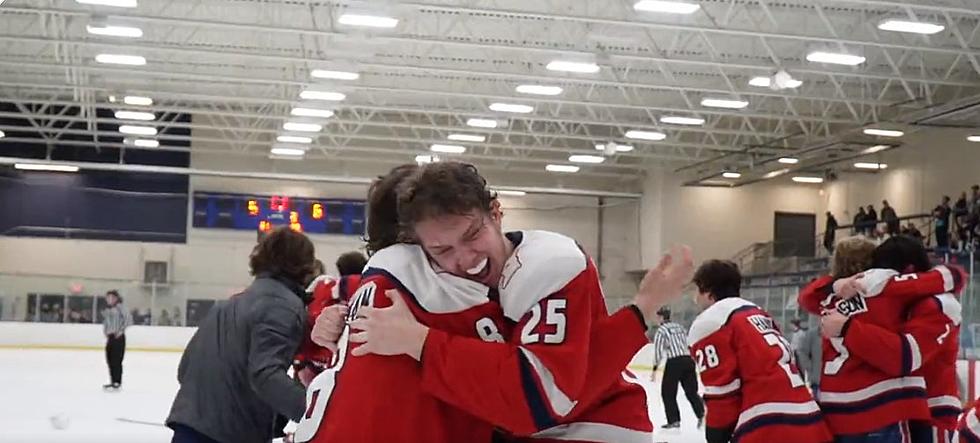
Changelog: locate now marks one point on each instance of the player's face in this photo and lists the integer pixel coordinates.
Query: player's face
(703, 299)
(471, 246)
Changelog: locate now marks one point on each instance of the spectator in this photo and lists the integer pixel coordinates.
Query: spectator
(973, 221)
(888, 215)
(859, 221)
(830, 233)
(941, 217)
(178, 320)
(912, 231)
(872, 219)
(114, 324)
(165, 319)
(147, 317)
(233, 380)
(961, 213)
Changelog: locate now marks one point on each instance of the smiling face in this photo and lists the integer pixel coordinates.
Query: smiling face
(470, 246)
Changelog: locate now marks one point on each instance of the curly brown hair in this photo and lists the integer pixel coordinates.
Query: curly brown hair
(351, 263)
(851, 255)
(285, 253)
(437, 189)
(383, 226)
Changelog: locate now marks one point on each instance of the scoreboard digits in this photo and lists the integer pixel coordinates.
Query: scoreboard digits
(265, 213)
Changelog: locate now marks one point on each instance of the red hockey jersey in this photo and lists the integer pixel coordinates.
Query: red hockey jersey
(855, 396)
(968, 428)
(751, 382)
(327, 291)
(929, 342)
(379, 399)
(544, 382)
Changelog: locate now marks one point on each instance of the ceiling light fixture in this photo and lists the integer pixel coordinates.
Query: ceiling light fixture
(724, 103)
(802, 179)
(481, 123)
(876, 148)
(113, 3)
(510, 193)
(619, 147)
(539, 90)
(294, 139)
(121, 59)
(866, 165)
(730, 174)
(512, 108)
(137, 130)
(114, 31)
(910, 27)
(766, 82)
(322, 95)
(835, 58)
(666, 7)
(973, 138)
(467, 138)
(570, 66)
(425, 158)
(289, 152)
(447, 149)
(369, 21)
(46, 168)
(883, 132)
(334, 75)
(562, 168)
(135, 115)
(776, 173)
(135, 100)
(789, 160)
(302, 127)
(645, 135)
(586, 159)
(687, 121)
(311, 112)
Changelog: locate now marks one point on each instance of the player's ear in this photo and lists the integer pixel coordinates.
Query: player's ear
(496, 214)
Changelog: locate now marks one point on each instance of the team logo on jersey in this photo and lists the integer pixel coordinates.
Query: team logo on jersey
(363, 297)
(762, 323)
(852, 306)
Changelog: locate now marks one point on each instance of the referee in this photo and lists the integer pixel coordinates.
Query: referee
(670, 342)
(114, 324)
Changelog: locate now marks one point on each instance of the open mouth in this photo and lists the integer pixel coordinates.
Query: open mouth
(480, 271)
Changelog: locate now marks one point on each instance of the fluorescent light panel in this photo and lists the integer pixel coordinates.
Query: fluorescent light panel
(724, 103)
(448, 149)
(2, 134)
(910, 27)
(876, 148)
(114, 3)
(302, 127)
(293, 152)
(294, 139)
(687, 121)
(135, 115)
(141, 142)
(322, 95)
(539, 89)
(731, 174)
(800, 179)
(135, 100)
(867, 165)
(972, 138)
(512, 108)
(789, 160)
(369, 21)
(137, 130)
(121, 59)
(765, 82)
(586, 159)
(835, 58)
(561, 168)
(645, 135)
(883, 132)
(425, 158)
(776, 173)
(47, 168)
(334, 75)
(666, 7)
(467, 138)
(510, 193)
(570, 66)
(481, 123)
(311, 112)
(115, 31)
(619, 147)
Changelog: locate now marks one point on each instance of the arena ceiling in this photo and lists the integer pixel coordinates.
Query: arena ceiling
(386, 93)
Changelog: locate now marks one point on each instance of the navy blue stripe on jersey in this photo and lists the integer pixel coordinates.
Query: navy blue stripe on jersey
(945, 411)
(342, 293)
(736, 311)
(967, 435)
(370, 272)
(776, 420)
(535, 399)
(906, 356)
(874, 402)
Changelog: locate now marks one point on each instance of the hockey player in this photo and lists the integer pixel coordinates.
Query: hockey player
(517, 411)
(861, 401)
(753, 389)
(929, 341)
(327, 293)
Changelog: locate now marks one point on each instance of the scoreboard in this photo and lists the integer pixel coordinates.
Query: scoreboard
(264, 213)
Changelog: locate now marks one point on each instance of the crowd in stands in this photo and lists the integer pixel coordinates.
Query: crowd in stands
(955, 227)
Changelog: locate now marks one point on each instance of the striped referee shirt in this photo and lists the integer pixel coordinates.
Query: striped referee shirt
(670, 341)
(115, 320)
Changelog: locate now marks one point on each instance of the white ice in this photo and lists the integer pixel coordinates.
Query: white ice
(38, 384)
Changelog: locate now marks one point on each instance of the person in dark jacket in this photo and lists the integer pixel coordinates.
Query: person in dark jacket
(830, 233)
(871, 221)
(859, 221)
(888, 215)
(233, 381)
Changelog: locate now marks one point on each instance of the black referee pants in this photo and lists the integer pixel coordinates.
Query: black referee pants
(115, 350)
(680, 370)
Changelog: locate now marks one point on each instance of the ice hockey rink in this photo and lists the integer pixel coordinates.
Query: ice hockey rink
(39, 384)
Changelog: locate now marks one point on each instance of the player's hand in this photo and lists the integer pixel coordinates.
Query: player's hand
(328, 326)
(847, 288)
(832, 323)
(664, 283)
(388, 331)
